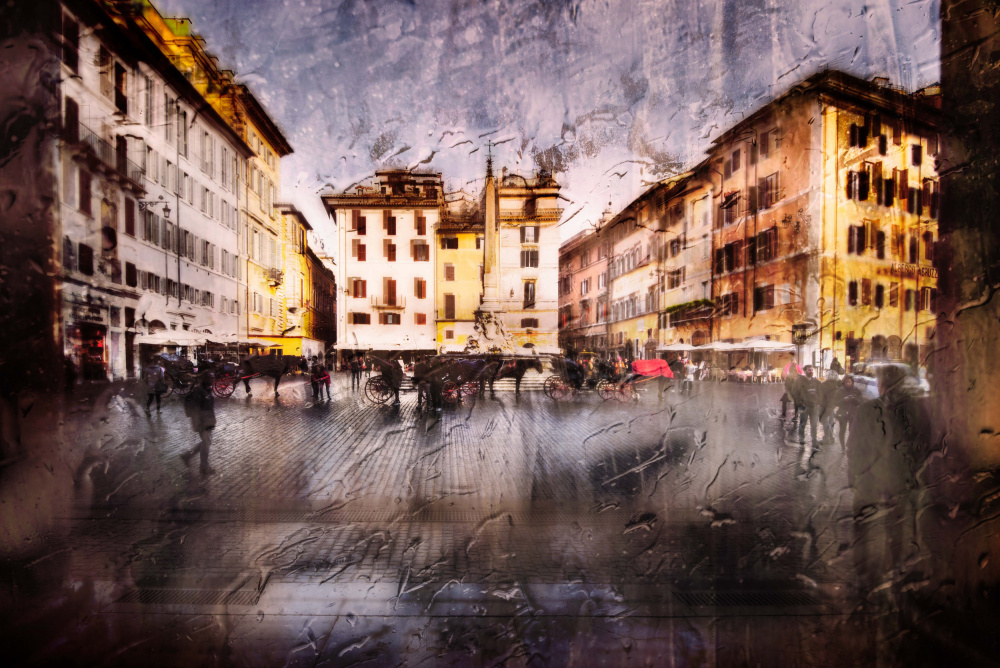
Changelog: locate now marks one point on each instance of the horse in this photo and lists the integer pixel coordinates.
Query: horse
(274, 366)
(431, 375)
(512, 368)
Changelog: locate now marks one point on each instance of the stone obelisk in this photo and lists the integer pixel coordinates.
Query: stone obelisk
(491, 261)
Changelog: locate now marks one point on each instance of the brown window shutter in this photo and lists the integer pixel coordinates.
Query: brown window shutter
(355, 214)
(385, 219)
(522, 233)
(354, 247)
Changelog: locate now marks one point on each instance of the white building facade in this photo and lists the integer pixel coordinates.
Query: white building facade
(386, 260)
(148, 200)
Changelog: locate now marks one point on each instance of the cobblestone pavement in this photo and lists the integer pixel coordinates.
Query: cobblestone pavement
(508, 530)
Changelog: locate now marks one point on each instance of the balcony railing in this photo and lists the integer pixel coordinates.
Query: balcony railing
(395, 304)
(456, 315)
(111, 159)
(274, 276)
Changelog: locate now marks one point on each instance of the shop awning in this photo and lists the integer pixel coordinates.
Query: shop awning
(771, 346)
(677, 347)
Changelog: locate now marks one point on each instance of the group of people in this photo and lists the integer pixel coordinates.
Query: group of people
(834, 400)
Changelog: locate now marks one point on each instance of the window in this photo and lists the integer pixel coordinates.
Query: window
(736, 160)
(182, 133)
(479, 242)
(85, 197)
(584, 286)
(106, 71)
(421, 252)
(675, 247)
(916, 155)
(926, 295)
(361, 318)
(880, 244)
(449, 243)
(86, 260)
(131, 279)
(763, 298)
(529, 322)
(852, 293)
(449, 334)
(529, 258)
(390, 227)
(894, 294)
(856, 241)
(130, 217)
(71, 121)
(70, 42)
(359, 288)
(421, 226)
(866, 291)
(675, 278)
(928, 246)
(361, 252)
(768, 191)
(390, 319)
(728, 304)
(529, 234)
(389, 292)
(908, 301)
(419, 318)
(529, 294)
(449, 272)
(390, 252)
(730, 208)
(913, 250)
(419, 288)
(879, 296)
(764, 145)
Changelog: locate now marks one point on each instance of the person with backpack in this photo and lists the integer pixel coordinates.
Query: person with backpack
(156, 384)
(320, 379)
(199, 406)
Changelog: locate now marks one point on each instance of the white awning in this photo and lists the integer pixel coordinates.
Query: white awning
(771, 346)
(677, 347)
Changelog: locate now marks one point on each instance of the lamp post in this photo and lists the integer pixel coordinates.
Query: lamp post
(150, 204)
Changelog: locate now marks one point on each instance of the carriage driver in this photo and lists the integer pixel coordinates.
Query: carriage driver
(574, 371)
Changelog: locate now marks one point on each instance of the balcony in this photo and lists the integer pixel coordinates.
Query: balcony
(274, 276)
(455, 315)
(113, 160)
(389, 304)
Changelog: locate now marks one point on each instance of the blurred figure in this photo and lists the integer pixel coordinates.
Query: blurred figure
(199, 405)
(889, 441)
(835, 366)
(791, 380)
(324, 381)
(69, 369)
(687, 377)
(156, 384)
(807, 400)
(827, 403)
(847, 401)
(314, 379)
(355, 365)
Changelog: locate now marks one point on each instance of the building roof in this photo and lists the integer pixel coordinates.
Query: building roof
(290, 210)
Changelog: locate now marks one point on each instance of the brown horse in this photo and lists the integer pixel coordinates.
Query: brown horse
(273, 366)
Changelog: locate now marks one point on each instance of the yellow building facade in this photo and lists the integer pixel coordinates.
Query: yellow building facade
(458, 276)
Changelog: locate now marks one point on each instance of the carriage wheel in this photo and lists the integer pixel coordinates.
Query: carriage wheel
(605, 389)
(169, 382)
(470, 388)
(377, 390)
(183, 384)
(624, 392)
(550, 383)
(451, 392)
(224, 386)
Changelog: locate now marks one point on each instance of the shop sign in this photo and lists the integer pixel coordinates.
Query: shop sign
(906, 269)
(87, 313)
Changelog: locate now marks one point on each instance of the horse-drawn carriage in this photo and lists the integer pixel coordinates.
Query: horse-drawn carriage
(601, 376)
(181, 375)
(446, 379)
(589, 372)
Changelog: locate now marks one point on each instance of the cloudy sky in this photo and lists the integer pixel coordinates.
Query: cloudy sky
(610, 95)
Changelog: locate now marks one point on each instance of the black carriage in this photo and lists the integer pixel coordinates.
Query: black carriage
(589, 373)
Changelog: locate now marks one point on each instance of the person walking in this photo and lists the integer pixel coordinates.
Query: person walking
(791, 382)
(156, 384)
(847, 401)
(314, 380)
(828, 392)
(199, 405)
(807, 399)
(355, 366)
(324, 381)
(687, 382)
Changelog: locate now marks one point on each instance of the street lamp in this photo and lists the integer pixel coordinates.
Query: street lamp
(150, 203)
